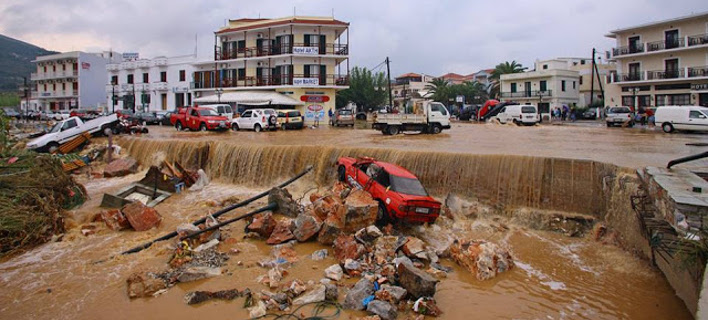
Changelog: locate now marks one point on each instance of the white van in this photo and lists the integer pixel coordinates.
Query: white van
(689, 118)
(526, 114)
(223, 110)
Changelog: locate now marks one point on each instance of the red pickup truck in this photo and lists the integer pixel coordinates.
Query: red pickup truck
(400, 195)
(196, 118)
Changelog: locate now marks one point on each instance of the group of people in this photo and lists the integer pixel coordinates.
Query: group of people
(564, 113)
(644, 116)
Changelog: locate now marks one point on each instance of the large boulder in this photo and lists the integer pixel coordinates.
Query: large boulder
(356, 295)
(306, 226)
(368, 234)
(324, 206)
(286, 205)
(483, 258)
(360, 211)
(262, 224)
(415, 248)
(120, 167)
(281, 233)
(142, 285)
(140, 216)
(114, 219)
(417, 282)
(331, 228)
(393, 294)
(382, 309)
(346, 247)
(334, 272)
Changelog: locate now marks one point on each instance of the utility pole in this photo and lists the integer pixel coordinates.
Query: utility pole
(388, 71)
(592, 78)
(27, 97)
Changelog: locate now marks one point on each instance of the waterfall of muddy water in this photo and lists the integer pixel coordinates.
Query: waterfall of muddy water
(546, 183)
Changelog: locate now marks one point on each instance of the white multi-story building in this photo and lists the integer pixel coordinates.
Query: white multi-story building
(589, 85)
(661, 63)
(157, 84)
(70, 80)
(551, 85)
(297, 61)
(410, 87)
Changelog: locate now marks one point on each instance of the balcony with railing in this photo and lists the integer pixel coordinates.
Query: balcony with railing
(54, 75)
(697, 40)
(113, 66)
(128, 65)
(665, 45)
(274, 80)
(159, 62)
(142, 64)
(665, 74)
(619, 51)
(159, 86)
(286, 48)
(527, 94)
(697, 72)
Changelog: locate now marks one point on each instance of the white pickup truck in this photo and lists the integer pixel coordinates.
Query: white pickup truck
(427, 117)
(68, 129)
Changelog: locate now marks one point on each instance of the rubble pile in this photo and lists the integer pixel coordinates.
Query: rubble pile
(135, 215)
(483, 258)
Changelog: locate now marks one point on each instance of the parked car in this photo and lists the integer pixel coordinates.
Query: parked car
(256, 120)
(361, 115)
(290, 119)
(342, 117)
(224, 110)
(62, 115)
(84, 114)
(589, 114)
(469, 113)
(400, 194)
(12, 113)
(525, 114)
(619, 116)
(198, 118)
(688, 118)
(65, 130)
(144, 118)
(163, 117)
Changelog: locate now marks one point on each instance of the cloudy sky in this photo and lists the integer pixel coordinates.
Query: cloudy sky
(433, 37)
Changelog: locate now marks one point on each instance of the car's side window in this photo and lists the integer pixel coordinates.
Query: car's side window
(696, 115)
(246, 114)
(383, 178)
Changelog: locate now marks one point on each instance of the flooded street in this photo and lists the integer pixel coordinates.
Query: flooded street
(627, 147)
(556, 277)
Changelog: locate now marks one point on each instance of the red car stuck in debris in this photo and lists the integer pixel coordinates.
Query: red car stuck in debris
(400, 195)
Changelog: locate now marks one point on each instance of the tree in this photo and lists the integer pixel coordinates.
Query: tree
(503, 68)
(438, 90)
(366, 89)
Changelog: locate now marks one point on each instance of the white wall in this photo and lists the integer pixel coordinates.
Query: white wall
(91, 85)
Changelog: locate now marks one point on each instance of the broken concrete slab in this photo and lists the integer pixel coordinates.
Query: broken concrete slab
(198, 273)
(483, 258)
(346, 247)
(318, 294)
(141, 217)
(306, 226)
(115, 220)
(120, 167)
(334, 272)
(262, 224)
(281, 233)
(396, 293)
(415, 248)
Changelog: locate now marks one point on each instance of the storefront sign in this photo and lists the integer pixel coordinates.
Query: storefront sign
(314, 109)
(306, 50)
(699, 86)
(130, 56)
(311, 98)
(73, 103)
(460, 99)
(306, 81)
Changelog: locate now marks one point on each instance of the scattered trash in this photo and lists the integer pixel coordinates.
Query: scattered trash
(319, 255)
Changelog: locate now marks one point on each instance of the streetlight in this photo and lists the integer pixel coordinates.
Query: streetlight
(219, 91)
(540, 101)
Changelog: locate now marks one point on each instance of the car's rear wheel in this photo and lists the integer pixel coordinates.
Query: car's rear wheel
(609, 124)
(342, 174)
(257, 128)
(667, 127)
(382, 217)
(52, 147)
(234, 126)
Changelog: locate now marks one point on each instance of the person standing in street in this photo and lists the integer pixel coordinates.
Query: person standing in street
(317, 119)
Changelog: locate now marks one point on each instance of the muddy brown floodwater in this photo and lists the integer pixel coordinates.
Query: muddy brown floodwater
(556, 277)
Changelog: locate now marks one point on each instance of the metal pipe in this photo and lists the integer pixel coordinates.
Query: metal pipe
(687, 159)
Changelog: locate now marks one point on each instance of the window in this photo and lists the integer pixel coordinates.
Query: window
(696, 115)
(63, 86)
(407, 186)
(573, 84)
(672, 99)
(634, 44)
(513, 87)
(247, 114)
(182, 75)
(163, 76)
(582, 61)
(545, 66)
(54, 87)
(563, 85)
(580, 80)
(54, 68)
(114, 79)
(146, 77)
(63, 67)
(69, 124)
(543, 86)
(130, 78)
(628, 101)
(242, 73)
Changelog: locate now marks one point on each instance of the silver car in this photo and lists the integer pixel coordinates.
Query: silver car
(619, 116)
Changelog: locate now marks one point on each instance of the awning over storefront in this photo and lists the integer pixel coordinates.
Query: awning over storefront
(253, 98)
